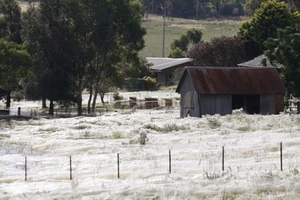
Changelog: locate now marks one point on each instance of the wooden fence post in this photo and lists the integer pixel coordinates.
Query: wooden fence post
(281, 162)
(25, 168)
(170, 159)
(223, 159)
(70, 167)
(118, 164)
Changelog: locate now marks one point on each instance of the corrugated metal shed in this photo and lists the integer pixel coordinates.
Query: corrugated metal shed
(256, 62)
(160, 64)
(235, 80)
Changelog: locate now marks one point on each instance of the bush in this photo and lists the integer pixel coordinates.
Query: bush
(117, 96)
(150, 84)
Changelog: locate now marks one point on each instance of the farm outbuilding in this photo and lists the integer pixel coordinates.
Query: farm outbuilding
(164, 68)
(219, 90)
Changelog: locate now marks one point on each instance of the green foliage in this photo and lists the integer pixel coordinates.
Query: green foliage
(14, 64)
(253, 5)
(284, 51)
(176, 27)
(266, 21)
(150, 84)
(220, 51)
(180, 46)
(10, 21)
(194, 35)
(176, 53)
(67, 39)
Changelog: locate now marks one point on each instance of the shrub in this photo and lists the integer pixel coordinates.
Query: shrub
(150, 84)
(117, 96)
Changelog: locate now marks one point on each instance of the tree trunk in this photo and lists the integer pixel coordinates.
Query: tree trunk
(79, 98)
(8, 99)
(94, 100)
(90, 99)
(51, 108)
(102, 94)
(44, 105)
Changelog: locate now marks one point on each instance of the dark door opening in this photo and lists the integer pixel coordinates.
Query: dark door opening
(253, 104)
(238, 101)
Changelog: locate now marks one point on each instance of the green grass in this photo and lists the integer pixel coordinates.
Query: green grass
(175, 27)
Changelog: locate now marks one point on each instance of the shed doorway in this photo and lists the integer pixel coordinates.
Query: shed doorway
(253, 104)
(238, 101)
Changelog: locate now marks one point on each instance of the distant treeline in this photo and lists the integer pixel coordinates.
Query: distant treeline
(199, 9)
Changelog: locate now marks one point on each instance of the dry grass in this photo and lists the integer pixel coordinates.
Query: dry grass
(175, 27)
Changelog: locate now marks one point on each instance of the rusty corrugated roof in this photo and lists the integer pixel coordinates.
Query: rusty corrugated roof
(234, 80)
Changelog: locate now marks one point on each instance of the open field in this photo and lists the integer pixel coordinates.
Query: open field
(176, 27)
(252, 167)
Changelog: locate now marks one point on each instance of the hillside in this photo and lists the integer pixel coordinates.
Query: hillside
(175, 27)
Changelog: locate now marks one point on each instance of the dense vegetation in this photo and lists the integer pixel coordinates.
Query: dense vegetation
(199, 9)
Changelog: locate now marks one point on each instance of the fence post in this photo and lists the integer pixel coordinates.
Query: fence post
(19, 111)
(170, 169)
(25, 168)
(118, 164)
(70, 167)
(223, 153)
(281, 163)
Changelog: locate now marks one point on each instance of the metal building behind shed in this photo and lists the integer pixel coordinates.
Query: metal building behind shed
(219, 90)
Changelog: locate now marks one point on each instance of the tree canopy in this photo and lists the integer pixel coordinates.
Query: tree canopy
(219, 51)
(79, 43)
(271, 16)
(283, 51)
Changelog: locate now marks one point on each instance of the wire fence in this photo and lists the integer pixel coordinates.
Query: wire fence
(123, 106)
(211, 164)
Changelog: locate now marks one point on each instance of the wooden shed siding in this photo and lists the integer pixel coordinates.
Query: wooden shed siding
(187, 97)
(279, 103)
(267, 105)
(161, 78)
(216, 104)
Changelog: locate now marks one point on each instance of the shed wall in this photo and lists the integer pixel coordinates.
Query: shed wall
(279, 103)
(267, 104)
(162, 78)
(188, 99)
(216, 104)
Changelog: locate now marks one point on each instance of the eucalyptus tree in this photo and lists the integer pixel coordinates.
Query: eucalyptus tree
(10, 27)
(44, 32)
(10, 21)
(69, 35)
(118, 36)
(14, 63)
(284, 51)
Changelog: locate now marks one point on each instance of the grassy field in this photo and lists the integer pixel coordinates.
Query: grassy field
(176, 27)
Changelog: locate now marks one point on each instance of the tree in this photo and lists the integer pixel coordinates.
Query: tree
(284, 51)
(117, 48)
(10, 26)
(14, 63)
(219, 51)
(45, 32)
(180, 46)
(253, 5)
(10, 21)
(266, 21)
